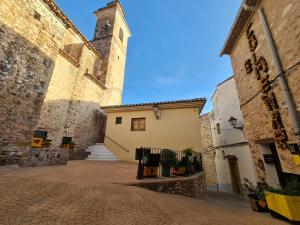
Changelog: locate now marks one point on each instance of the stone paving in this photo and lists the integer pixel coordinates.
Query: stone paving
(86, 193)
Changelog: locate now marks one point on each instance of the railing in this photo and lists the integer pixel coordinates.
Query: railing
(116, 143)
(156, 162)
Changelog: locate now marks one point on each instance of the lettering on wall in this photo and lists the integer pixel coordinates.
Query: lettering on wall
(260, 66)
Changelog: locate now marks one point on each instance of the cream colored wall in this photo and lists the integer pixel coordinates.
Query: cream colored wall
(245, 165)
(177, 129)
(117, 61)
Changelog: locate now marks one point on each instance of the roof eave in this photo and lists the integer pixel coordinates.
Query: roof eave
(148, 106)
(238, 26)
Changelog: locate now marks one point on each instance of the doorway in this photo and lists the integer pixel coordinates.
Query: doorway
(272, 166)
(235, 175)
(102, 128)
(277, 164)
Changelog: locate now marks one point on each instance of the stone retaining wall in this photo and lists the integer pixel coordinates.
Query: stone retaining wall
(194, 186)
(34, 157)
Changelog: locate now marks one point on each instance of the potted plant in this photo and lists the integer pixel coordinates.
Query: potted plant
(167, 160)
(256, 196)
(188, 152)
(178, 168)
(285, 202)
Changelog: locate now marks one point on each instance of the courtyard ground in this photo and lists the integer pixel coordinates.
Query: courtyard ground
(92, 192)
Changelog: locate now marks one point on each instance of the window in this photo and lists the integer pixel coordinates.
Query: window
(218, 128)
(118, 120)
(294, 148)
(121, 34)
(37, 16)
(138, 124)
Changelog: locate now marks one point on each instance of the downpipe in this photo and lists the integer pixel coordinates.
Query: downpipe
(278, 66)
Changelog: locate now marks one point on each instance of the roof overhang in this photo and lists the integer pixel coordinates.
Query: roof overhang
(189, 103)
(238, 26)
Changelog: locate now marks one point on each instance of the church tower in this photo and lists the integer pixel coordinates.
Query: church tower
(110, 39)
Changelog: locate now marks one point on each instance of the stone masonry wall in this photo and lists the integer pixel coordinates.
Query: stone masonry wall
(46, 81)
(283, 18)
(208, 154)
(25, 73)
(194, 186)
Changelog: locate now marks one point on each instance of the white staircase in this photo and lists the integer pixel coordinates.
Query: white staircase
(101, 153)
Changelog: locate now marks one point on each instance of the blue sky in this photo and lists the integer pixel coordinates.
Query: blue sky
(174, 51)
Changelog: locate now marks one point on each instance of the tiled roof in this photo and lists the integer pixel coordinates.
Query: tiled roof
(238, 26)
(156, 103)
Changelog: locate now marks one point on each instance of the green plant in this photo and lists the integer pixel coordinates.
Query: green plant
(188, 152)
(291, 189)
(176, 164)
(168, 158)
(257, 191)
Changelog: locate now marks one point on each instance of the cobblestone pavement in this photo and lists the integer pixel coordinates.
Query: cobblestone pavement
(86, 193)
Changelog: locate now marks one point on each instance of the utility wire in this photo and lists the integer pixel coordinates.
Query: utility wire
(271, 82)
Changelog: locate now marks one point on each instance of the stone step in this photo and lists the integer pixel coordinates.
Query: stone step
(97, 150)
(101, 157)
(101, 153)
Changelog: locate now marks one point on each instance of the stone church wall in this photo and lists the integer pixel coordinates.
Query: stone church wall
(46, 79)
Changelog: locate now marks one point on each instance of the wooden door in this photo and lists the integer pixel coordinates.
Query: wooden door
(235, 175)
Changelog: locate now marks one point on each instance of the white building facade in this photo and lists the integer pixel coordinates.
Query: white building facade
(233, 158)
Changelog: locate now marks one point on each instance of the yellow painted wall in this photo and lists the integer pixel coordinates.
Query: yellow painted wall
(176, 129)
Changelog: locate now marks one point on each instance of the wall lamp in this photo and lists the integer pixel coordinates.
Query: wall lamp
(156, 111)
(248, 7)
(233, 122)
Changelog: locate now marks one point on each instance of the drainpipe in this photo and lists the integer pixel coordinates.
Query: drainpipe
(278, 66)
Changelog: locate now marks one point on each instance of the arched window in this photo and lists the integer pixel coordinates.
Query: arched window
(218, 128)
(121, 34)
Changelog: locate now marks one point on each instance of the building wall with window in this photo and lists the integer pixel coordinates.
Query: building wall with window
(176, 128)
(230, 142)
(250, 56)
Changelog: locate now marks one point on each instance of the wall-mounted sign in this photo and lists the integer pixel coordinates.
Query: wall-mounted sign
(260, 66)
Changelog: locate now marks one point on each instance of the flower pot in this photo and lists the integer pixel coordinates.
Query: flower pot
(258, 205)
(296, 159)
(179, 171)
(166, 171)
(284, 205)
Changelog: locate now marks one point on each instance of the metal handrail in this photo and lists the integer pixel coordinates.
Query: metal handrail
(117, 143)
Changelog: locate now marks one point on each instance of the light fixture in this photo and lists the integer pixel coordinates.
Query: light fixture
(248, 7)
(156, 111)
(233, 122)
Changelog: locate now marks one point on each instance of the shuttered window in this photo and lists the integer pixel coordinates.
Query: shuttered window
(138, 124)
